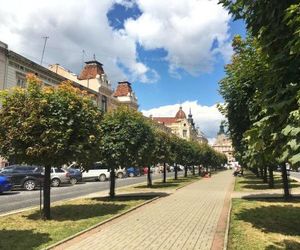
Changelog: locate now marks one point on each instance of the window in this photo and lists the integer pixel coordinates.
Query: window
(21, 80)
(104, 103)
(184, 133)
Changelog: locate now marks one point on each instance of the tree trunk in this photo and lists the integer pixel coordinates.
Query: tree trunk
(149, 180)
(199, 170)
(112, 183)
(185, 171)
(256, 172)
(261, 172)
(285, 182)
(176, 172)
(165, 173)
(271, 177)
(265, 176)
(194, 170)
(46, 193)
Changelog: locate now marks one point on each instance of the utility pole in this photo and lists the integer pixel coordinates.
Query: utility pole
(46, 38)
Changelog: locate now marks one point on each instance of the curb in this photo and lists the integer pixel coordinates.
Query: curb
(101, 223)
(220, 239)
(227, 226)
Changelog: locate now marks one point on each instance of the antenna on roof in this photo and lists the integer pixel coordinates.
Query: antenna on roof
(46, 38)
(83, 57)
(94, 56)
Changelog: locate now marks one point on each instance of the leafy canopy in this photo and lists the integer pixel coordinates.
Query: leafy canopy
(48, 126)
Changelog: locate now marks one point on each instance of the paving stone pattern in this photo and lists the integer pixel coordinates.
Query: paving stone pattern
(186, 219)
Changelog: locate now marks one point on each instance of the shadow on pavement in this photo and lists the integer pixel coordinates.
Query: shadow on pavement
(132, 197)
(9, 193)
(22, 239)
(273, 218)
(80, 211)
(285, 244)
(271, 197)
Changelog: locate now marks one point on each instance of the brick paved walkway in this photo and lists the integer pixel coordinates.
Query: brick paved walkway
(186, 219)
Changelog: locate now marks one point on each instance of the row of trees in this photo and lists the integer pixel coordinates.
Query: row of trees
(49, 126)
(261, 88)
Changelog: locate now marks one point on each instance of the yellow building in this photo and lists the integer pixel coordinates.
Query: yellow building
(223, 144)
(93, 77)
(182, 126)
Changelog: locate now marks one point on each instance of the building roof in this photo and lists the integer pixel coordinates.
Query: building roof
(91, 70)
(123, 89)
(165, 120)
(180, 114)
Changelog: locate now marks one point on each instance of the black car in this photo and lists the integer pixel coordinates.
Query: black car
(27, 177)
(75, 175)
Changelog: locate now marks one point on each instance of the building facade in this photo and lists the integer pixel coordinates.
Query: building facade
(182, 126)
(92, 79)
(223, 144)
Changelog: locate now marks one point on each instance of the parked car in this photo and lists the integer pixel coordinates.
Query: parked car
(5, 183)
(98, 172)
(75, 175)
(59, 176)
(24, 176)
(132, 171)
(145, 170)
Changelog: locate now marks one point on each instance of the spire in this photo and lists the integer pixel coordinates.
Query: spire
(222, 130)
(190, 114)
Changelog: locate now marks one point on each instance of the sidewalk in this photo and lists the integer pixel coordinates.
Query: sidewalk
(187, 219)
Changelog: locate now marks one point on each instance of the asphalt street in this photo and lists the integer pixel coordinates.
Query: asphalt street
(295, 174)
(20, 199)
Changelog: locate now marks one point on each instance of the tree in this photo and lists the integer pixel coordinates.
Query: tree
(48, 126)
(275, 25)
(162, 150)
(127, 140)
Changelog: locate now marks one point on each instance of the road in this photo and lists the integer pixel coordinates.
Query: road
(295, 174)
(16, 200)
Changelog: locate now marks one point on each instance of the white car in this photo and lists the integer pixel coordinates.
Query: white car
(99, 172)
(59, 176)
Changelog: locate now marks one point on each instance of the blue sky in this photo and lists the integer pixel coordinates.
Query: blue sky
(173, 51)
(169, 90)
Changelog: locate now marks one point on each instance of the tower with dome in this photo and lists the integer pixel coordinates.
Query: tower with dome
(182, 126)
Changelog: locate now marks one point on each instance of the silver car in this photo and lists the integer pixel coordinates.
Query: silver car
(59, 176)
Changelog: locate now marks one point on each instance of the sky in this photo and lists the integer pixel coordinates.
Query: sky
(172, 51)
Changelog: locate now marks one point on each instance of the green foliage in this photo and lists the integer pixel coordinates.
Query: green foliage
(127, 139)
(48, 126)
(275, 26)
(162, 148)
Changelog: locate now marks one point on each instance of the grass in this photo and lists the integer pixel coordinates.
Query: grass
(27, 231)
(262, 224)
(171, 183)
(249, 182)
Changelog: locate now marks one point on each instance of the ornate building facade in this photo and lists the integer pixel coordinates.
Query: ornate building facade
(92, 79)
(182, 126)
(223, 144)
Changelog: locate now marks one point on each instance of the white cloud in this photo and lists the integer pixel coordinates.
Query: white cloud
(193, 32)
(206, 118)
(185, 29)
(72, 26)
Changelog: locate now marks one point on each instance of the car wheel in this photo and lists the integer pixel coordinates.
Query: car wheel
(131, 174)
(73, 181)
(55, 182)
(29, 185)
(102, 177)
(120, 175)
